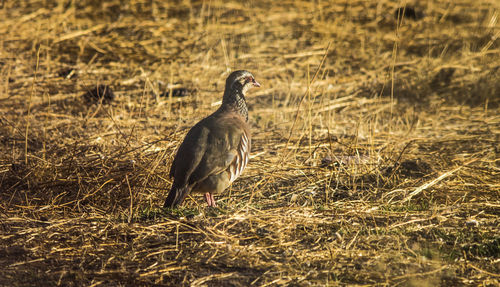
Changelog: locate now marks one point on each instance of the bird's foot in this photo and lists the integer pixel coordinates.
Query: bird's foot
(210, 199)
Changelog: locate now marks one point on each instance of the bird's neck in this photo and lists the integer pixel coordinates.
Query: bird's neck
(234, 100)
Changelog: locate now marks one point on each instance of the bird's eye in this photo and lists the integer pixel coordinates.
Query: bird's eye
(248, 79)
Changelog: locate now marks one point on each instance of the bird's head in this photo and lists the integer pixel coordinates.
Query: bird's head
(241, 80)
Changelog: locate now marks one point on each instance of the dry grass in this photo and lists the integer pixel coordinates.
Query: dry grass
(376, 166)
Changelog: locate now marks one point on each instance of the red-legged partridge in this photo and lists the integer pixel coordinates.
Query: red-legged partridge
(216, 150)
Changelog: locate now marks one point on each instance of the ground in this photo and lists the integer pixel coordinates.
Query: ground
(375, 143)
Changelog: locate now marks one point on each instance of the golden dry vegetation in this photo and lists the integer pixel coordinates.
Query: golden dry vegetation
(375, 143)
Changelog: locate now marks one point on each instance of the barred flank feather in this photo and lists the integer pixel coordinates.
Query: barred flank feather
(241, 160)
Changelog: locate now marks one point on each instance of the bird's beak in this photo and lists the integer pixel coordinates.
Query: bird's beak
(255, 83)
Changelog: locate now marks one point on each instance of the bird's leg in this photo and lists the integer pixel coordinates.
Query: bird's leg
(208, 199)
(212, 200)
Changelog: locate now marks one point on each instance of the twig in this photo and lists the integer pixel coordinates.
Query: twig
(483, 271)
(130, 215)
(420, 274)
(436, 180)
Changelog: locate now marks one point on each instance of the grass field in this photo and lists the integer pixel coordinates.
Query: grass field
(376, 143)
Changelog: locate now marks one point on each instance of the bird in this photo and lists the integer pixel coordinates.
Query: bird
(215, 151)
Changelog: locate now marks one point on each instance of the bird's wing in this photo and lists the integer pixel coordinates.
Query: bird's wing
(241, 159)
(223, 149)
(189, 154)
(188, 157)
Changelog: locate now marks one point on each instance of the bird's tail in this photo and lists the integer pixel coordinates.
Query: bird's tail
(176, 196)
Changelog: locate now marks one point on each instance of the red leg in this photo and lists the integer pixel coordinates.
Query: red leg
(208, 199)
(212, 200)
